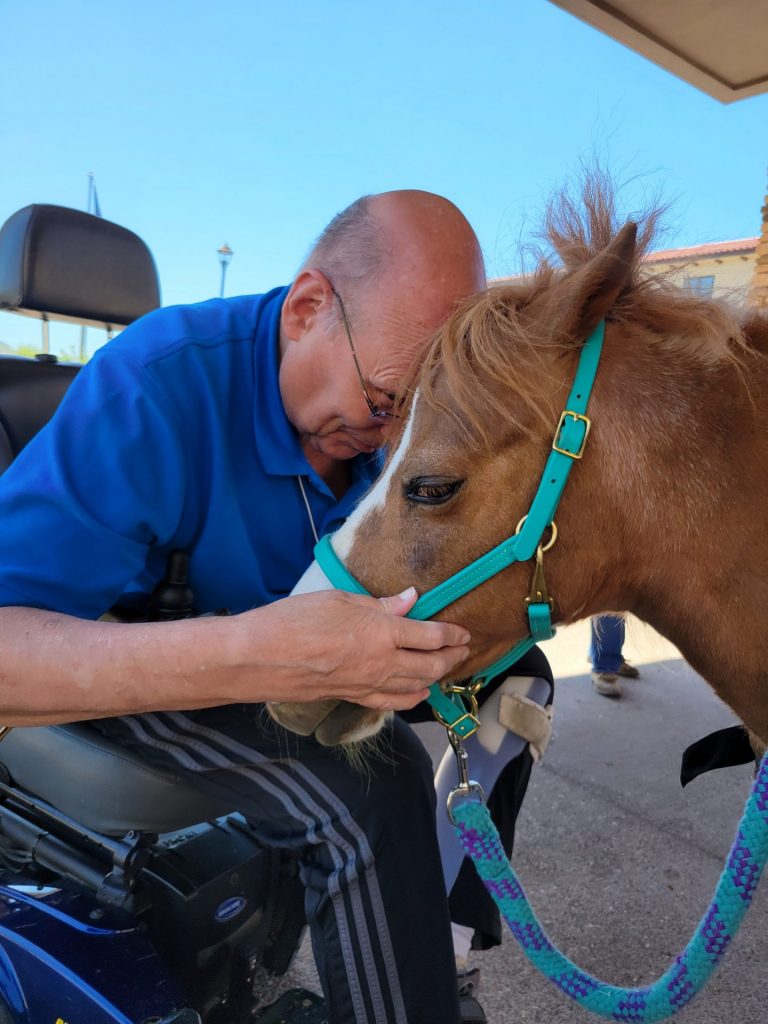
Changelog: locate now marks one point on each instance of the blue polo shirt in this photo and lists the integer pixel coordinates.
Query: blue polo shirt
(173, 436)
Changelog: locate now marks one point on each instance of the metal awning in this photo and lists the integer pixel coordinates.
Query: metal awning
(720, 46)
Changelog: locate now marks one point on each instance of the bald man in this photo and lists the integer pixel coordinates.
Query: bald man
(239, 430)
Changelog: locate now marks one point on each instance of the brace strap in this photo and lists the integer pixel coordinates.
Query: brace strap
(528, 719)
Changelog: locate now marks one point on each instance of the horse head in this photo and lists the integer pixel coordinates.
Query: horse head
(471, 453)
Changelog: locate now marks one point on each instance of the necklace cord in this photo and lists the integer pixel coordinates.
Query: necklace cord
(309, 510)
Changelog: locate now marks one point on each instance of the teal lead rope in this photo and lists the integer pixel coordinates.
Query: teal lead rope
(690, 970)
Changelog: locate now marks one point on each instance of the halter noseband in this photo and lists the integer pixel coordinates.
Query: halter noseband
(567, 446)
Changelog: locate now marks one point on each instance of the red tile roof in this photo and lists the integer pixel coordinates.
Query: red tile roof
(734, 248)
(737, 246)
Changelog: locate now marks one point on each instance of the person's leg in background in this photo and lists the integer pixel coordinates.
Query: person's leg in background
(606, 655)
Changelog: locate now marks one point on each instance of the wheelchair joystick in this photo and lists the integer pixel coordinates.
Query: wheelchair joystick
(172, 597)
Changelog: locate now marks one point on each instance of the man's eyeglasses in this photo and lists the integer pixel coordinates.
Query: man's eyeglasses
(377, 413)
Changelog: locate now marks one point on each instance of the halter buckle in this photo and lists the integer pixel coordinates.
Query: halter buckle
(469, 722)
(587, 427)
(453, 727)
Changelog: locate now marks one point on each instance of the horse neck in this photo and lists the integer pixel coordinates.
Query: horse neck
(675, 489)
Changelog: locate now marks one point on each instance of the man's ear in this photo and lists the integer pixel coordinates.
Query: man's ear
(309, 297)
(584, 296)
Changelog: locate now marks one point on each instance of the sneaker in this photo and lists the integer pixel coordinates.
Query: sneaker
(606, 684)
(628, 671)
(468, 982)
(470, 1011)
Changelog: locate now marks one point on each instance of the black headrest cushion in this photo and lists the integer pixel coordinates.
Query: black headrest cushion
(66, 263)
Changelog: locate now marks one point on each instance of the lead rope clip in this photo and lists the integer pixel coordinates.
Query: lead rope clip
(467, 788)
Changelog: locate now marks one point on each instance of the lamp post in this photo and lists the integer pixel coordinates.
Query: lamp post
(225, 258)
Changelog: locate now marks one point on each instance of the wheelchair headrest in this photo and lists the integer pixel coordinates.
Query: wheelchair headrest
(63, 264)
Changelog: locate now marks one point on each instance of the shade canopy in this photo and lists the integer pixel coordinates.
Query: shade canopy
(719, 46)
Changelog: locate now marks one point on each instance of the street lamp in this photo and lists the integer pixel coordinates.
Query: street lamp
(225, 258)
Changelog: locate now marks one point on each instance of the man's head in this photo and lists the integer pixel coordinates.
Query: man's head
(385, 273)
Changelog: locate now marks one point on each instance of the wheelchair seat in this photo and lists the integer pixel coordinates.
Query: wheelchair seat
(99, 783)
(57, 263)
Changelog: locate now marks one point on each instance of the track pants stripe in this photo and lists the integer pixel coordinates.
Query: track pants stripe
(344, 817)
(174, 733)
(314, 836)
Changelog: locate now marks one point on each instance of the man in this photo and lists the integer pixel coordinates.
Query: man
(236, 430)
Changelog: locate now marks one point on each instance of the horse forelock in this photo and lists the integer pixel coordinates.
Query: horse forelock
(501, 357)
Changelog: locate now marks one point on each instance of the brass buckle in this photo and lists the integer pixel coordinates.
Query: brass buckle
(577, 416)
(468, 693)
(454, 725)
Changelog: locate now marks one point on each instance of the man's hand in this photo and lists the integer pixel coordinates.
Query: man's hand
(333, 645)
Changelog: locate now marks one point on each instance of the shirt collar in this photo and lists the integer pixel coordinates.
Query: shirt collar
(277, 442)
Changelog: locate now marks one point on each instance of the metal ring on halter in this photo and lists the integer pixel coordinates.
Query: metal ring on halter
(472, 788)
(550, 543)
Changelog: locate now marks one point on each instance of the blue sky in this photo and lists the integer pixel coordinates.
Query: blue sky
(253, 123)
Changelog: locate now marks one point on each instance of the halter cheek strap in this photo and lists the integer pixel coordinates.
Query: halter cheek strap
(568, 445)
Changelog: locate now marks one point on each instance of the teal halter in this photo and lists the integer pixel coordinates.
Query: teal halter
(567, 447)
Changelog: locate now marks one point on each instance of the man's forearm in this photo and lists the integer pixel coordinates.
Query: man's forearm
(331, 645)
(56, 668)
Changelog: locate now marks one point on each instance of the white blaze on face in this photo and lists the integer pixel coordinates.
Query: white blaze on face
(344, 539)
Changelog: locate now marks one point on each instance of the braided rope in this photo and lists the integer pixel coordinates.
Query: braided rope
(690, 970)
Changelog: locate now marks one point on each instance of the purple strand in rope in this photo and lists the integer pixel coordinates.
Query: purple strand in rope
(743, 869)
(715, 933)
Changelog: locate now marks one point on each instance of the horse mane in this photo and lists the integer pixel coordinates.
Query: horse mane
(494, 343)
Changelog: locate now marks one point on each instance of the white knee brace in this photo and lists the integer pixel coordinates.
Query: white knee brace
(517, 714)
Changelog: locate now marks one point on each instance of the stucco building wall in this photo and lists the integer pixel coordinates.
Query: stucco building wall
(732, 273)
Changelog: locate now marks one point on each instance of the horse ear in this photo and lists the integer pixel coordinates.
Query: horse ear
(592, 289)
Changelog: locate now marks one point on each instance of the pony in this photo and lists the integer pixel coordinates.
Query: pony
(662, 515)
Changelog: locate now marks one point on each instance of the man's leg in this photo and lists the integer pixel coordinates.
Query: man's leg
(376, 901)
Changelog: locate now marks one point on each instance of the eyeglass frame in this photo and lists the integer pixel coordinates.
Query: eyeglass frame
(376, 413)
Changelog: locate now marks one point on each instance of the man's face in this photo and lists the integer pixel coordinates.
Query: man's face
(324, 396)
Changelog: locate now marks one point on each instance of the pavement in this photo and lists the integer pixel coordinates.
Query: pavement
(618, 860)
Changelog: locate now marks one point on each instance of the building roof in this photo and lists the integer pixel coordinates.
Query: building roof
(719, 47)
(737, 247)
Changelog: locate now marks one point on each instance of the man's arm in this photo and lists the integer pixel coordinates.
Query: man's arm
(56, 668)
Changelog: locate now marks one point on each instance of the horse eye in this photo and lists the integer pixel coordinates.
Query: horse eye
(428, 490)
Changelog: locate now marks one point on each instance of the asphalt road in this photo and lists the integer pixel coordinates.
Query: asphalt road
(619, 861)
